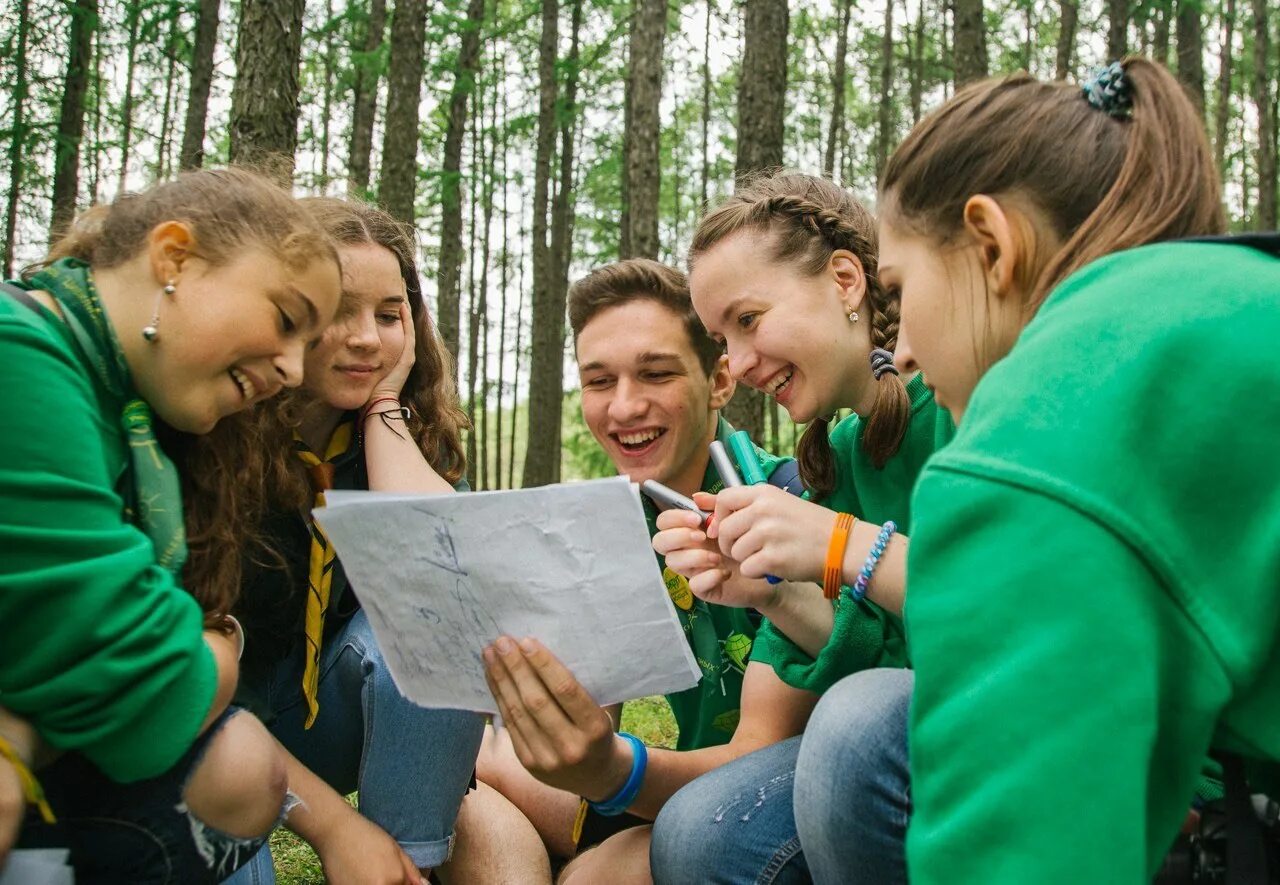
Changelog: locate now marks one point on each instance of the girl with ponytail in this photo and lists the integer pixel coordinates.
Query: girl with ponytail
(784, 274)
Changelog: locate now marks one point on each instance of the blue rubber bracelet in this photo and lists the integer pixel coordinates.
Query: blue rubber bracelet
(620, 801)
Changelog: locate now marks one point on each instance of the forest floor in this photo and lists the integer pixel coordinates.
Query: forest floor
(649, 719)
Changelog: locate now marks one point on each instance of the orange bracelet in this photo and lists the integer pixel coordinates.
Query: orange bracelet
(833, 569)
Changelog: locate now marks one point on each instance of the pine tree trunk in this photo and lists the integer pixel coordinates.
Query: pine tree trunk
(66, 162)
(562, 203)
(95, 146)
(451, 179)
(364, 100)
(835, 131)
(488, 149)
(161, 168)
(762, 95)
(1222, 112)
(1160, 32)
(542, 454)
(133, 14)
(706, 110)
(884, 129)
(1117, 29)
(1066, 39)
(264, 100)
(1265, 218)
(970, 42)
(917, 66)
(473, 319)
(948, 10)
(326, 102)
(1191, 50)
(397, 188)
(191, 156)
(515, 373)
(504, 281)
(17, 136)
(643, 130)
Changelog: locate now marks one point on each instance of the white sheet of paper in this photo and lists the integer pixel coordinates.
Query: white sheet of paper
(37, 866)
(441, 576)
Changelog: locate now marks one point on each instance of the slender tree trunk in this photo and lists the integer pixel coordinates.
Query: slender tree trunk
(1067, 38)
(326, 102)
(451, 178)
(884, 130)
(264, 100)
(191, 156)
(488, 148)
(66, 158)
(473, 319)
(17, 136)
(562, 203)
(835, 131)
(1222, 112)
(1117, 29)
(643, 129)
(706, 110)
(133, 14)
(504, 282)
(762, 93)
(917, 66)
(1191, 50)
(515, 374)
(542, 455)
(95, 146)
(397, 188)
(364, 101)
(1160, 31)
(1265, 218)
(166, 123)
(971, 41)
(948, 10)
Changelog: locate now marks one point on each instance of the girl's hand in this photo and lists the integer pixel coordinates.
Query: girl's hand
(393, 382)
(712, 577)
(769, 532)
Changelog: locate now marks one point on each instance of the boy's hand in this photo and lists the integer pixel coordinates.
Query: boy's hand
(712, 576)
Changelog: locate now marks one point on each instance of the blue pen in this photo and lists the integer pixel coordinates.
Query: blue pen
(748, 463)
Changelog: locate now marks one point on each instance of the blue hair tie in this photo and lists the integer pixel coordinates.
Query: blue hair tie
(1110, 91)
(881, 362)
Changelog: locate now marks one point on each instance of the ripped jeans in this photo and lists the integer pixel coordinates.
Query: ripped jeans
(138, 833)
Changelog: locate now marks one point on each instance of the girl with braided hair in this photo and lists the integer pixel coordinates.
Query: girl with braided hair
(784, 274)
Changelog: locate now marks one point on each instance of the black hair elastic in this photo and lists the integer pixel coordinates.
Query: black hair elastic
(881, 362)
(1109, 90)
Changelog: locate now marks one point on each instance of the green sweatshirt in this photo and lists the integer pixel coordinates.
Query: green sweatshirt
(864, 635)
(1095, 575)
(99, 649)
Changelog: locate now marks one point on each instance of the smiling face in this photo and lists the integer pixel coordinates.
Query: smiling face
(366, 338)
(232, 335)
(645, 396)
(786, 334)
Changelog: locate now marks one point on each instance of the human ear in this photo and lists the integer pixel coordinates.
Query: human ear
(847, 271)
(997, 241)
(722, 383)
(169, 245)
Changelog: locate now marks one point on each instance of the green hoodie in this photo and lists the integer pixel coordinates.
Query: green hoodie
(1095, 575)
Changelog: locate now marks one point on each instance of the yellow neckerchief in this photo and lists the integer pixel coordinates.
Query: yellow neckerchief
(30, 786)
(320, 566)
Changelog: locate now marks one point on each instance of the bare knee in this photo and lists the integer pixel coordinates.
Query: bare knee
(239, 785)
(622, 859)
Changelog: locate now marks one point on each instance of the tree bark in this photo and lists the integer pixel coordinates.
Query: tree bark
(643, 131)
(397, 187)
(884, 129)
(504, 282)
(542, 454)
(473, 318)
(1222, 112)
(835, 131)
(970, 42)
(917, 66)
(364, 100)
(1117, 29)
(562, 204)
(762, 94)
(515, 373)
(1265, 217)
(191, 156)
(264, 100)
(17, 136)
(706, 109)
(326, 103)
(1191, 50)
(489, 163)
(161, 168)
(451, 179)
(1067, 39)
(133, 14)
(66, 162)
(1160, 32)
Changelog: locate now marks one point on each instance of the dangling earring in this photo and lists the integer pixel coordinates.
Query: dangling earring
(853, 315)
(151, 331)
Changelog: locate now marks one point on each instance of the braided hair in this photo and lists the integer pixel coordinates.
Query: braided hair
(809, 218)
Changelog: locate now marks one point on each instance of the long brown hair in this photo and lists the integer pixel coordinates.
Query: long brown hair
(1104, 182)
(224, 524)
(808, 218)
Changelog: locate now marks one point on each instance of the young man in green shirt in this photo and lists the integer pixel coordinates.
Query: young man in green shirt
(652, 387)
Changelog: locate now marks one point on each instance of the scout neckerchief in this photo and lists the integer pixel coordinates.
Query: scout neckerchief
(149, 485)
(320, 567)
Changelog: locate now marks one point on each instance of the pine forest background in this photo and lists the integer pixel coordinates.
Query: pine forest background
(530, 141)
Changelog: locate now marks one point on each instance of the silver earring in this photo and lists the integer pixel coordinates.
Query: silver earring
(151, 331)
(853, 316)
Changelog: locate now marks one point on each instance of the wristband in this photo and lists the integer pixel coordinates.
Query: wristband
(30, 786)
(620, 801)
(368, 409)
(833, 569)
(859, 589)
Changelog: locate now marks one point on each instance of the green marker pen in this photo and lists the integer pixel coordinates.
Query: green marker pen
(748, 467)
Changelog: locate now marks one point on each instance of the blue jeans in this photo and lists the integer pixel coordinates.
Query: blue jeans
(829, 806)
(411, 765)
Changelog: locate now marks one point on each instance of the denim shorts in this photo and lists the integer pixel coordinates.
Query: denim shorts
(138, 833)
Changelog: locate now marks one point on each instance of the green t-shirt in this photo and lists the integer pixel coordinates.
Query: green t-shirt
(1095, 575)
(864, 635)
(99, 649)
(720, 637)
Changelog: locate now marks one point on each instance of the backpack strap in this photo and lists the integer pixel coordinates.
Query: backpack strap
(787, 478)
(22, 296)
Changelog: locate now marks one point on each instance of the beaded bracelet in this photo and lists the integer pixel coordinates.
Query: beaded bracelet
(31, 790)
(859, 589)
(620, 801)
